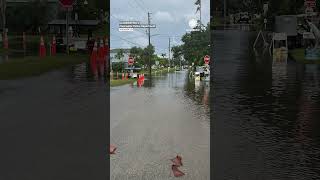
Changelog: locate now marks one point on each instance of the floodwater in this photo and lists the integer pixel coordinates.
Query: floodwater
(167, 116)
(266, 116)
(54, 126)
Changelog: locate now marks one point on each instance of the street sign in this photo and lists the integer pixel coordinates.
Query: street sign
(206, 59)
(66, 3)
(130, 61)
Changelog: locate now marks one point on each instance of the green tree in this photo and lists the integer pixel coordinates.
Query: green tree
(29, 16)
(195, 46)
(148, 53)
(120, 54)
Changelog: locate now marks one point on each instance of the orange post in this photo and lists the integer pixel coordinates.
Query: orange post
(53, 46)
(5, 41)
(94, 54)
(42, 48)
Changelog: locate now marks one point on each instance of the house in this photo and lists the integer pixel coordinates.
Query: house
(113, 53)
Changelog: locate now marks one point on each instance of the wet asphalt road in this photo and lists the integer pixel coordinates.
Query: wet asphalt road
(156, 122)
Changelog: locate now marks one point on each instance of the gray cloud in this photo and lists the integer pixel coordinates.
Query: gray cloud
(170, 16)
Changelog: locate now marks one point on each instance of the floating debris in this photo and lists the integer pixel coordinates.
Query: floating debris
(177, 161)
(113, 149)
(176, 171)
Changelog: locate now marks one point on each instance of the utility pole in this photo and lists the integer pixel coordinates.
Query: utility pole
(169, 52)
(149, 35)
(200, 16)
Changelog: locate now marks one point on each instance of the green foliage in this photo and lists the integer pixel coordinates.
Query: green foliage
(195, 47)
(117, 67)
(28, 16)
(120, 54)
(34, 65)
(277, 7)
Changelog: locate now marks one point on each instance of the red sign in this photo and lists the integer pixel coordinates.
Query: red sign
(130, 61)
(66, 3)
(310, 3)
(206, 59)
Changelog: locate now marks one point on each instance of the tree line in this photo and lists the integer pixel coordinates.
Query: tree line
(37, 13)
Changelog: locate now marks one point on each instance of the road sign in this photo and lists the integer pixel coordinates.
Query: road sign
(66, 3)
(206, 59)
(130, 61)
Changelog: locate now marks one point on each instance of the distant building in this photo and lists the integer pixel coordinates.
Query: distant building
(113, 53)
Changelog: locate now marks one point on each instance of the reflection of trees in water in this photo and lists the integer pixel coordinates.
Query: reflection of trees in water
(270, 91)
(89, 72)
(197, 92)
(267, 92)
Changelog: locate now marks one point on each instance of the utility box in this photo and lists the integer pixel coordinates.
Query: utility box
(286, 24)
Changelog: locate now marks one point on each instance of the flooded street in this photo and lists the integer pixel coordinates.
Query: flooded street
(168, 116)
(54, 126)
(266, 116)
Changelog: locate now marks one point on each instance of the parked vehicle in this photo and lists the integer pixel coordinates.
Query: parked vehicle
(244, 17)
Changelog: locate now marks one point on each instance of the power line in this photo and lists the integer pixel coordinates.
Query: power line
(143, 9)
(128, 41)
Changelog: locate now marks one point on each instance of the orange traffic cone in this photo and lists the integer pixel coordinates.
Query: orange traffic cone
(53, 46)
(42, 48)
(101, 54)
(24, 39)
(94, 53)
(5, 41)
(106, 46)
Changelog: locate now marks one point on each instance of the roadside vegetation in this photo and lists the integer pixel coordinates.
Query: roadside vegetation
(34, 65)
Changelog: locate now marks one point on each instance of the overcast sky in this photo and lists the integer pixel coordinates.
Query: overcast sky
(171, 17)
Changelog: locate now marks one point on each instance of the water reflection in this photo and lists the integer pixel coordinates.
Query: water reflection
(55, 117)
(267, 109)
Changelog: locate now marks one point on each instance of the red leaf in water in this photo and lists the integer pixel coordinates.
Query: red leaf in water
(113, 149)
(176, 171)
(177, 161)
